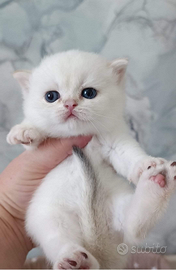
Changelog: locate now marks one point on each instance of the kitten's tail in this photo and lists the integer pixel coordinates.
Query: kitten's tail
(89, 196)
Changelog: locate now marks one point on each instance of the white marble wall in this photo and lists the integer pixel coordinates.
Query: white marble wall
(142, 30)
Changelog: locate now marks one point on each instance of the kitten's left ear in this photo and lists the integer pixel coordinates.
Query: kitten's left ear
(119, 66)
(22, 77)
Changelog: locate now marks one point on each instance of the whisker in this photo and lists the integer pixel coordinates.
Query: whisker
(85, 110)
(109, 117)
(98, 122)
(97, 130)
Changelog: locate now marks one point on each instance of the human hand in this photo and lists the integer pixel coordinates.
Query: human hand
(17, 185)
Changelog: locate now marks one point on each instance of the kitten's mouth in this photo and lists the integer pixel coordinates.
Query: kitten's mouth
(71, 115)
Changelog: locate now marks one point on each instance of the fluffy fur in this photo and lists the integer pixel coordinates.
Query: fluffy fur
(83, 209)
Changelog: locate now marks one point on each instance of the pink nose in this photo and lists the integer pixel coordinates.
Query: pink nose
(70, 104)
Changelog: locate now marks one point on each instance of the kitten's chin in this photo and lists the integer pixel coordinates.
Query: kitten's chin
(71, 128)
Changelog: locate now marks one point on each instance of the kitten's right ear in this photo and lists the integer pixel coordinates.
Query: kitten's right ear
(22, 77)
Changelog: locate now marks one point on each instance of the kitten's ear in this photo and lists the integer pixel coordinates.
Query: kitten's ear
(22, 77)
(119, 66)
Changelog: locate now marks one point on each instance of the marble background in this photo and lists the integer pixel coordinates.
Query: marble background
(142, 30)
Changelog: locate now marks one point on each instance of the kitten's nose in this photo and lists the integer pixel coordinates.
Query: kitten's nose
(70, 104)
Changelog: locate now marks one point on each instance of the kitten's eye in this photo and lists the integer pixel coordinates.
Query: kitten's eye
(52, 96)
(89, 93)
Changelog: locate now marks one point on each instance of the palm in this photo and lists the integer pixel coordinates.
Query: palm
(21, 188)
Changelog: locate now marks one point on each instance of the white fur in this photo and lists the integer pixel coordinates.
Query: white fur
(58, 218)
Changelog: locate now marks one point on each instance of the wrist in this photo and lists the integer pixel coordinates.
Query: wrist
(14, 244)
(134, 171)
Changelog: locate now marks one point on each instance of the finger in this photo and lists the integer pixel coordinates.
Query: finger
(53, 151)
(77, 141)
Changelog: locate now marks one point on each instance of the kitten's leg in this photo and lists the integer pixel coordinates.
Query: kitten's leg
(149, 201)
(25, 134)
(60, 238)
(128, 158)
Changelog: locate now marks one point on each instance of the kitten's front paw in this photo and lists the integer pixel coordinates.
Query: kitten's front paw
(76, 258)
(21, 134)
(160, 180)
(143, 165)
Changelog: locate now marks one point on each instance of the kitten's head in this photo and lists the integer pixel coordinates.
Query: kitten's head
(74, 93)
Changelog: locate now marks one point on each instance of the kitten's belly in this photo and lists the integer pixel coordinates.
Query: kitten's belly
(65, 183)
(63, 188)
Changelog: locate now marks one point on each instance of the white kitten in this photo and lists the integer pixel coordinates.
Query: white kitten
(83, 209)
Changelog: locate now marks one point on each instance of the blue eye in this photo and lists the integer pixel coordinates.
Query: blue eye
(89, 93)
(52, 96)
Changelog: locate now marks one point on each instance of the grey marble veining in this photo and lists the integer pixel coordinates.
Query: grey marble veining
(142, 30)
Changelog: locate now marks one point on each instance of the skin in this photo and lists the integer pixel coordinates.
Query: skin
(17, 184)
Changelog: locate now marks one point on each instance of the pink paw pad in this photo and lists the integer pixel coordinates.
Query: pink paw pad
(159, 179)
